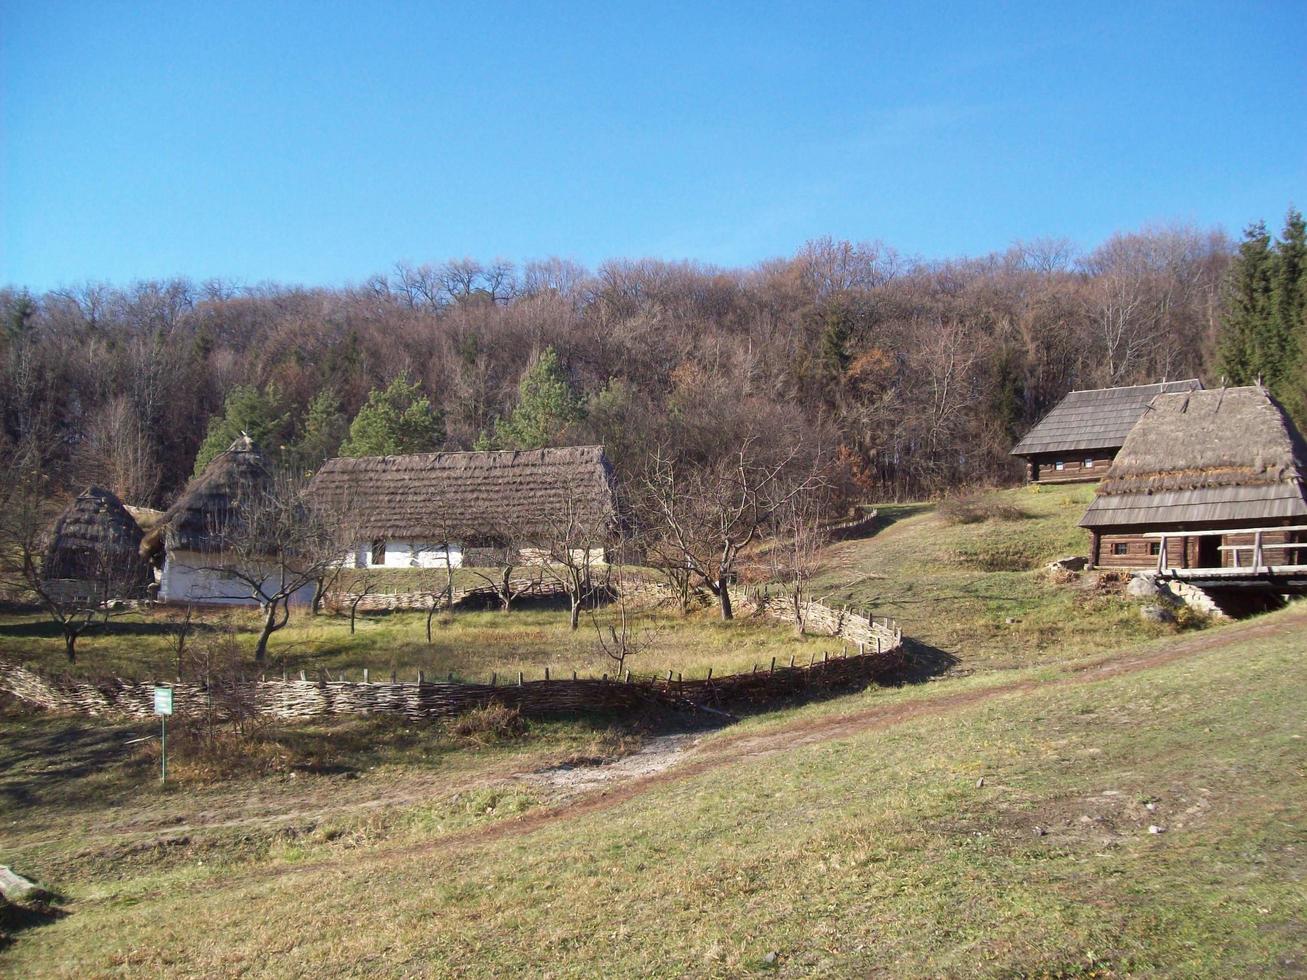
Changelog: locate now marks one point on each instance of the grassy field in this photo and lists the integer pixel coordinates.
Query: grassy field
(995, 827)
(956, 586)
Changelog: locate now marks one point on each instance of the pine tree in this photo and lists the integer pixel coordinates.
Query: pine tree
(322, 431)
(1242, 354)
(835, 337)
(246, 409)
(1289, 315)
(395, 421)
(546, 406)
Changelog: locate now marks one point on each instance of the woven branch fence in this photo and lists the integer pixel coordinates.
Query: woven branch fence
(878, 656)
(305, 698)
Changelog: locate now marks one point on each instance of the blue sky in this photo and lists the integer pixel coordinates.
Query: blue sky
(319, 143)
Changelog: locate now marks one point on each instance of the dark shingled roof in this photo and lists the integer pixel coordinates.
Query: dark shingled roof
(97, 538)
(1229, 454)
(486, 493)
(1097, 419)
(212, 501)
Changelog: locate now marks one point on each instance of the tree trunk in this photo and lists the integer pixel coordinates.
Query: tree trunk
(431, 612)
(70, 646)
(270, 626)
(353, 613)
(576, 612)
(724, 594)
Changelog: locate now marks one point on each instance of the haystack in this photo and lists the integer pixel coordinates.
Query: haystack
(97, 541)
(210, 506)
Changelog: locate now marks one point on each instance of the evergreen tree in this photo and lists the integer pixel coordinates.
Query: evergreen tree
(1243, 346)
(247, 409)
(396, 420)
(546, 406)
(1289, 313)
(322, 431)
(835, 337)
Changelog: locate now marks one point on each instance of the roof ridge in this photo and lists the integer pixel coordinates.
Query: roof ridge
(469, 452)
(1147, 384)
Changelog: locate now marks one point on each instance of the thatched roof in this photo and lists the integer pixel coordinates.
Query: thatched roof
(211, 502)
(146, 517)
(94, 539)
(1100, 418)
(1228, 454)
(426, 495)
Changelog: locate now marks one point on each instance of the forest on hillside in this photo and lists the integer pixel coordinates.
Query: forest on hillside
(917, 376)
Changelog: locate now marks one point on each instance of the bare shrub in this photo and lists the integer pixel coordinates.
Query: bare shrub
(494, 722)
(976, 509)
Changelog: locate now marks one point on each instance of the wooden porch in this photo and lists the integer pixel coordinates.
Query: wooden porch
(1252, 564)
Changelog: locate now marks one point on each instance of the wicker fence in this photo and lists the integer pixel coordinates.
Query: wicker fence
(303, 697)
(873, 651)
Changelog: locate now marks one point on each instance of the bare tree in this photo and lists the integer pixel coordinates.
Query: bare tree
(574, 543)
(118, 453)
(708, 516)
(507, 554)
(795, 549)
(180, 624)
(619, 635)
(276, 546)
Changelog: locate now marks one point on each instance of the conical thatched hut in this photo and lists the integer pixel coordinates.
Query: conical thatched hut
(94, 549)
(1212, 470)
(412, 511)
(194, 532)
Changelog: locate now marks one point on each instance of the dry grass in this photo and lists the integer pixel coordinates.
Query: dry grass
(493, 723)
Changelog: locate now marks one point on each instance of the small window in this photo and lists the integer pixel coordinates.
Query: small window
(1059, 465)
(1154, 548)
(379, 551)
(1089, 464)
(1119, 548)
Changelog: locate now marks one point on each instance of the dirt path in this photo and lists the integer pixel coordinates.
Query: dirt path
(671, 762)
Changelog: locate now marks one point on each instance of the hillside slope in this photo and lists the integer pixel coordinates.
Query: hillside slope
(976, 591)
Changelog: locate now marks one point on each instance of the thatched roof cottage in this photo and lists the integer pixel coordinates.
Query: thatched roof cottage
(94, 549)
(420, 510)
(1217, 472)
(1079, 438)
(193, 532)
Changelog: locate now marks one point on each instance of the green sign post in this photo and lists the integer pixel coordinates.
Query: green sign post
(163, 708)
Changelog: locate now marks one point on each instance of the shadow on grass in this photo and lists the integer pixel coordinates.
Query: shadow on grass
(46, 629)
(20, 918)
(40, 756)
(925, 662)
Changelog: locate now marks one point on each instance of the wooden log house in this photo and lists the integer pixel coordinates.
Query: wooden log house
(1206, 480)
(1077, 441)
